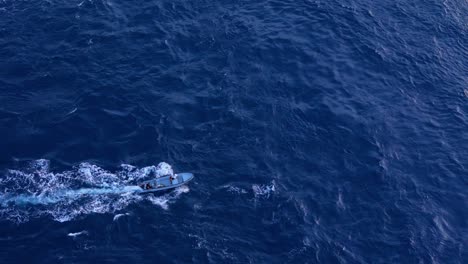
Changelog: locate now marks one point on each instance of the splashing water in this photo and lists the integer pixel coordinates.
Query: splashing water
(36, 191)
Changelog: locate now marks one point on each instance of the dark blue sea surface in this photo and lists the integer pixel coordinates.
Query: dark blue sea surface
(318, 131)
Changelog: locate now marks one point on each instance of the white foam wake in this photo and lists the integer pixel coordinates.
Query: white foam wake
(35, 191)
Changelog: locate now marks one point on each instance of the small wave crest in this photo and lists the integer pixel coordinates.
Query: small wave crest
(264, 190)
(234, 189)
(117, 216)
(84, 232)
(35, 191)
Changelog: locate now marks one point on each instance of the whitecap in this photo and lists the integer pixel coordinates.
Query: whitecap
(117, 216)
(235, 189)
(72, 111)
(84, 232)
(264, 190)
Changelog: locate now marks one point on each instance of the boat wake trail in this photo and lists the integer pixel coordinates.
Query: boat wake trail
(36, 191)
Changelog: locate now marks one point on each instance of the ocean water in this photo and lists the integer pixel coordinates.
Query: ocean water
(318, 131)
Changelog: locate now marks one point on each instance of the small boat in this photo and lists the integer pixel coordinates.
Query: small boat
(165, 183)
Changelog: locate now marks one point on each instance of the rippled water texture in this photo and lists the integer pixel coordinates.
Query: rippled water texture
(318, 131)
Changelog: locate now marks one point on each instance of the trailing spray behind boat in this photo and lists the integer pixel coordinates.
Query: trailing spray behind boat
(32, 190)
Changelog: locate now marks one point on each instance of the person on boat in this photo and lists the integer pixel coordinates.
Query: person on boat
(148, 186)
(171, 178)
